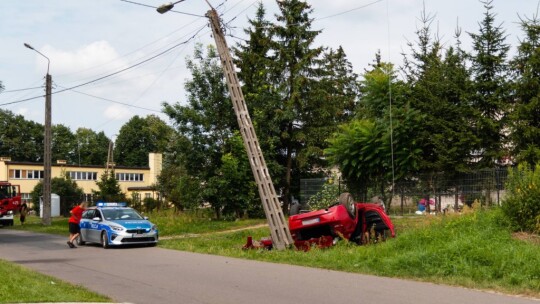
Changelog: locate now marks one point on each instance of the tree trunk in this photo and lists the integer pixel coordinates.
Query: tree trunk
(287, 188)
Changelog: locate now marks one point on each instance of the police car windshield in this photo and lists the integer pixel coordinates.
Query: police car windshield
(121, 214)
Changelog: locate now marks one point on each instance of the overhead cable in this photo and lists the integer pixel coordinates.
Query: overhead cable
(19, 90)
(111, 74)
(155, 7)
(113, 101)
(348, 11)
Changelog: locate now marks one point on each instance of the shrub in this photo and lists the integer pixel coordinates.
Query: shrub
(522, 202)
(327, 196)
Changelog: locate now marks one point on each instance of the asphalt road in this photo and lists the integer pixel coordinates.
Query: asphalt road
(155, 275)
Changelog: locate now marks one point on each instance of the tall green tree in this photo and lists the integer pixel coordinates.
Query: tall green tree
(232, 189)
(526, 87)
(379, 90)
(294, 68)
(380, 146)
(92, 147)
(20, 148)
(491, 100)
(182, 190)
(63, 144)
(253, 60)
(298, 92)
(456, 137)
(205, 127)
(440, 88)
(138, 137)
(109, 188)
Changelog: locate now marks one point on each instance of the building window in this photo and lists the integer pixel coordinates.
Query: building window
(33, 174)
(130, 177)
(82, 175)
(26, 198)
(147, 195)
(88, 197)
(25, 174)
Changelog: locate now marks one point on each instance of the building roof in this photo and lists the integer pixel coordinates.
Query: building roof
(74, 165)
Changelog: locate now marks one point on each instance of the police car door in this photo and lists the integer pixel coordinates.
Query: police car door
(95, 226)
(85, 223)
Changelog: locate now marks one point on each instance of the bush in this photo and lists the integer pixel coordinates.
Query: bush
(327, 196)
(522, 202)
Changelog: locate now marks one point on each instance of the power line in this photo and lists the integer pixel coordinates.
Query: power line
(113, 101)
(317, 19)
(140, 48)
(111, 74)
(348, 11)
(155, 7)
(19, 90)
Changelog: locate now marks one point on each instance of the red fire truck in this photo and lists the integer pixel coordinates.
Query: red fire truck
(10, 201)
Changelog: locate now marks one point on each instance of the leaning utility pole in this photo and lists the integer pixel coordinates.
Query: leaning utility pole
(281, 236)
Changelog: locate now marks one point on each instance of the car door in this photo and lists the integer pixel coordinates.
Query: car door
(85, 223)
(95, 230)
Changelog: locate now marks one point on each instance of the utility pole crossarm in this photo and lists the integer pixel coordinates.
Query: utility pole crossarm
(281, 236)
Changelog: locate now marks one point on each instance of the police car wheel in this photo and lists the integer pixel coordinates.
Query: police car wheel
(80, 240)
(104, 240)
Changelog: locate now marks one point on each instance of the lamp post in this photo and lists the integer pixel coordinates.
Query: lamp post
(46, 219)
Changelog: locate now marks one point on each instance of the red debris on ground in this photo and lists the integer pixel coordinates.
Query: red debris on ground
(264, 243)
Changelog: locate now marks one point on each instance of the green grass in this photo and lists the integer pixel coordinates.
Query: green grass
(21, 285)
(474, 250)
(168, 223)
(471, 250)
(59, 225)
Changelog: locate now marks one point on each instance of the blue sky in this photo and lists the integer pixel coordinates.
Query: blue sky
(86, 40)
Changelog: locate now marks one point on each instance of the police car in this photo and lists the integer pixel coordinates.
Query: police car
(112, 224)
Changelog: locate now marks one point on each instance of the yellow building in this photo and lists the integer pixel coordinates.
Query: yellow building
(136, 182)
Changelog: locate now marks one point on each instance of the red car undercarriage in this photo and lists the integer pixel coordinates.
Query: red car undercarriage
(361, 223)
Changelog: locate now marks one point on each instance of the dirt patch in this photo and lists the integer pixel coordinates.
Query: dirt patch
(192, 235)
(527, 237)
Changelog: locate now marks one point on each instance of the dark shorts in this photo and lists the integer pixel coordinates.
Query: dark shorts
(74, 228)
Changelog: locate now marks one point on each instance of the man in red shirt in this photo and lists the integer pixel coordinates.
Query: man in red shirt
(74, 220)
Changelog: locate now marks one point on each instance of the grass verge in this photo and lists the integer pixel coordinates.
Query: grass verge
(169, 224)
(471, 250)
(26, 286)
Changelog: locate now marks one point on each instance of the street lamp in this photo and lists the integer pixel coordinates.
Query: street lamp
(46, 219)
(162, 9)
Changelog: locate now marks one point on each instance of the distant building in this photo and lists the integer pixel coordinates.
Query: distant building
(136, 182)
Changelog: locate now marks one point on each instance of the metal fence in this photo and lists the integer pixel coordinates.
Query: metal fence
(446, 193)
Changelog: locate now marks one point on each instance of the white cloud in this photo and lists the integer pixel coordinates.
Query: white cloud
(88, 56)
(22, 111)
(117, 112)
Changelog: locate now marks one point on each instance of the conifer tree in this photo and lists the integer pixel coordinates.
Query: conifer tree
(491, 99)
(297, 92)
(526, 115)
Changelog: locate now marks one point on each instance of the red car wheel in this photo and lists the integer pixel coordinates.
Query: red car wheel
(347, 201)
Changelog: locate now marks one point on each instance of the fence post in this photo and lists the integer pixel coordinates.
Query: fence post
(402, 194)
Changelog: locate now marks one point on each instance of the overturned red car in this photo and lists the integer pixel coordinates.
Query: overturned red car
(357, 222)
